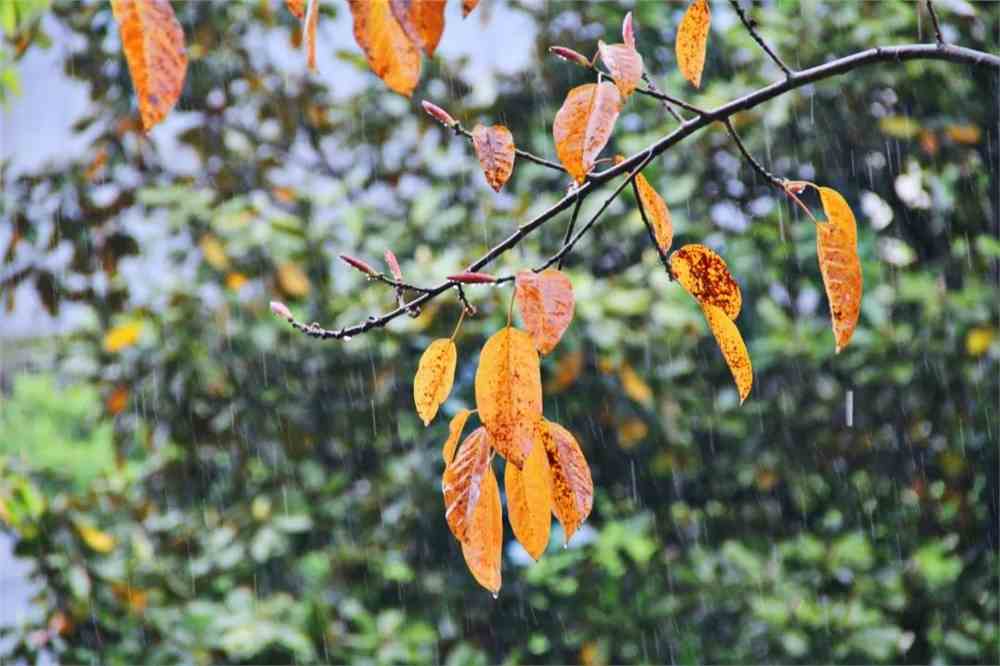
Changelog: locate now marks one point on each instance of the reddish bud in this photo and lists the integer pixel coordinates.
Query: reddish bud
(473, 278)
(628, 31)
(438, 114)
(358, 264)
(795, 186)
(281, 310)
(569, 55)
(390, 259)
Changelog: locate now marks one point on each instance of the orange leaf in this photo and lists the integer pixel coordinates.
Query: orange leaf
(390, 53)
(421, 20)
(292, 280)
(529, 499)
(311, 22)
(468, 6)
(732, 347)
(117, 400)
(462, 482)
(495, 150)
(454, 432)
(546, 303)
(296, 7)
(122, 336)
(435, 375)
(657, 214)
(483, 549)
(572, 487)
(692, 40)
(625, 65)
(153, 42)
(704, 275)
(584, 124)
(509, 392)
(837, 249)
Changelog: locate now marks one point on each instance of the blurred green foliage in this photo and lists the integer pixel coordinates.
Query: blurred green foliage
(286, 506)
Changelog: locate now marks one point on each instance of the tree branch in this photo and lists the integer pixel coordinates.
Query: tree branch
(634, 164)
(751, 27)
(934, 20)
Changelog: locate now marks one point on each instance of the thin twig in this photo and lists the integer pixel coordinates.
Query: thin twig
(849, 63)
(751, 27)
(572, 224)
(758, 167)
(517, 151)
(666, 105)
(934, 20)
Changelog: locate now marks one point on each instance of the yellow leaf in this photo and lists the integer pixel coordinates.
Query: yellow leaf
(454, 433)
(584, 124)
(634, 386)
(529, 499)
(495, 150)
(292, 281)
(213, 252)
(572, 486)
(509, 392)
(837, 250)
(122, 336)
(567, 370)
(421, 20)
(153, 42)
(435, 375)
(704, 274)
(98, 541)
(483, 549)
(966, 134)
(692, 41)
(978, 340)
(625, 65)
(632, 432)
(235, 280)
(899, 127)
(462, 482)
(730, 342)
(657, 214)
(546, 303)
(390, 53)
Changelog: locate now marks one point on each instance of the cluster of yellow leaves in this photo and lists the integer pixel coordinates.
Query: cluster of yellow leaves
(546, 472)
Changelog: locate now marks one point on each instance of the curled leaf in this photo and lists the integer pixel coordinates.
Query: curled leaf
(583, 126)
(483, 547)
(495, 150)
(625, 65)
(454, 433)
(546, 303)
(657, 214)
(421, 20)
(704, 274)
(733, 349)
(390, 53)
(529, 498)
(462, 482)
(692, 41)
(572, 486)
(434, 378)
(837, 250)
(153, 42)
(509, 392)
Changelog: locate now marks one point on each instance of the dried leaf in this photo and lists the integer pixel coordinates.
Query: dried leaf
(584, 124)
(122, 336)
(297, 8)
(837, 250)
(454, 433)
(546, 303)
(153, 42)
(462, 482)
(483, 549)
(509, 392)
(421, 20)
(572, 487)
(704, 274)
(529, 498)
(468, 6)
(309, 33)
(435, 375)
(625, 65)
(692, 41)
(732, 347)
(495, 150)
(657, 213)
(390, 53)
(292, 281)
(98, 541)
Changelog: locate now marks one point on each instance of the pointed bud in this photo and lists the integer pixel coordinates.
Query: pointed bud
(281, 310)
(628, 31)
(390, 259)
(569, 55)
(795, 186)
(358, 264)
(438, 114)
(473, 278)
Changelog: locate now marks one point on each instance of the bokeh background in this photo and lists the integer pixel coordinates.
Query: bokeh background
(184, 478)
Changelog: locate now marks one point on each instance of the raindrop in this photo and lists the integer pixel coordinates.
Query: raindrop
(496, 595)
